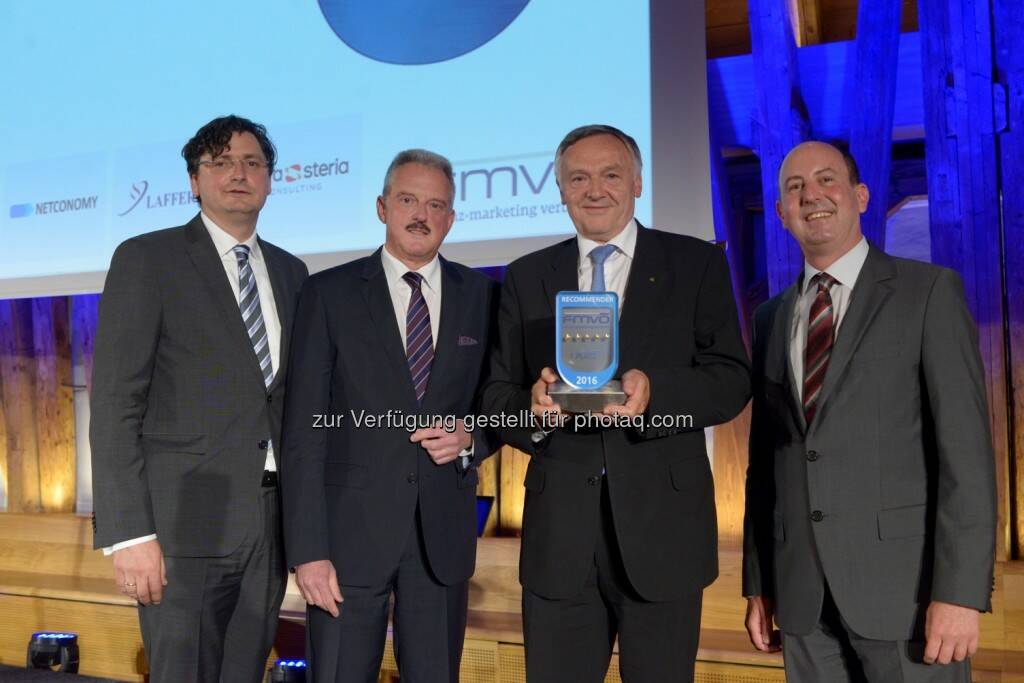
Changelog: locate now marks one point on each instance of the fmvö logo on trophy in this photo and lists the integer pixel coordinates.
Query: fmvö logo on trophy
(418, 32)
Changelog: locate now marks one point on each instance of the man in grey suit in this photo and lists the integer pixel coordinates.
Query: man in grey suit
(188, 390)
(870, 514)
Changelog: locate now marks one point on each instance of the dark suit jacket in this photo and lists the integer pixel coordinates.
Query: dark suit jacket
(898, 460)
(679, 326)
(350, 492)
(180, 415)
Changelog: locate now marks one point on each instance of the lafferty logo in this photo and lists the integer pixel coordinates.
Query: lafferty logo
(53, 206)
(141, 196)
(293, 173)
(417, 32)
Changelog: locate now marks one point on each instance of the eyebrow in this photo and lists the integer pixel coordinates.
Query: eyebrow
(828, 169)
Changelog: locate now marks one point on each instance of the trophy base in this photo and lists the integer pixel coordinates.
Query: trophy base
(583, 400)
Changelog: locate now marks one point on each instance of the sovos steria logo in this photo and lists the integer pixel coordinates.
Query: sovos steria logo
(415, 31)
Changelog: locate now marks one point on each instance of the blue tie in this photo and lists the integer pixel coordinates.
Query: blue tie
(252, 315)
(599, 255)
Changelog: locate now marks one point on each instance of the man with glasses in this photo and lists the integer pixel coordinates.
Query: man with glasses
(188, 391)
(378, 500)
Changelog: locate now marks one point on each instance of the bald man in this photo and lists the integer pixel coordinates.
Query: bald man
(870, 514)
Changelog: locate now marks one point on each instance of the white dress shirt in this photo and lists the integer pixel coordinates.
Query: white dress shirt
(224, 243)
(401, 293)
(845, 270)
(616, 266)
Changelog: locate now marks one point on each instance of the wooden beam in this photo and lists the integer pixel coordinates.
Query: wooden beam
(963, 196)
(1009, 115)
(780, 122)
(806, 20)
(18, 369)
(873, 93)
(55, 413)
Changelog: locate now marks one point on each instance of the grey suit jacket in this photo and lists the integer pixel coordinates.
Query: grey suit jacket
(889, 496)
(180, 415)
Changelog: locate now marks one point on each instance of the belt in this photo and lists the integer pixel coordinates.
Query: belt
(269, 479)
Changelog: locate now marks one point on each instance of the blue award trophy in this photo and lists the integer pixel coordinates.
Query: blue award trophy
(587, 351)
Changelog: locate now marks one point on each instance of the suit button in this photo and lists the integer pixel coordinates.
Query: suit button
(270, 398)
(263, 445)
(593, 480)
(411, 478)
(812, 455)
(817, 516)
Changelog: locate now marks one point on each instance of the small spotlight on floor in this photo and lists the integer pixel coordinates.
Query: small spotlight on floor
(288, 671)
(49, 649)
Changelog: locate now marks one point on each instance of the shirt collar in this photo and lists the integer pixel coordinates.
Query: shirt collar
(224, 243)
(625, 241)
(431, 272)
(845, 270)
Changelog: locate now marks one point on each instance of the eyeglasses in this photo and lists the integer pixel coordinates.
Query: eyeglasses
(222, 165)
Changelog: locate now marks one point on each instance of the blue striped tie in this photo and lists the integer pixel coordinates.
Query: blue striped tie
(599, 255)
(252, 314)
(419, 342)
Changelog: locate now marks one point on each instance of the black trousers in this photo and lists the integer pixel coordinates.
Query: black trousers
(429, 625)
(834, 652)
(572, 639)
(218, 616)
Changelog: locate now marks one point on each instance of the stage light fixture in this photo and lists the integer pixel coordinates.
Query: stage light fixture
(288, 671)
(49, 649)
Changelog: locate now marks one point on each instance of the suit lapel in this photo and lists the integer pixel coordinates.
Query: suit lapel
(275, 269)
(563, 276)
(869, 294)
(444, 345)
(382, 311)
(206, 260)
(778, 350)
(649, 281)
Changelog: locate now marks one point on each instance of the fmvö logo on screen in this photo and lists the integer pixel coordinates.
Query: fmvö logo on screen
(53, 206)
(418, 32)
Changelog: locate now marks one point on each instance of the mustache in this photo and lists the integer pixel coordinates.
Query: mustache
(418, 225)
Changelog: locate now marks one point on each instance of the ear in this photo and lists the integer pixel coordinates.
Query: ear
(778, 210)
(638, 185)
(380, 209)
(194, 184)
(863, 197)
(449, 223)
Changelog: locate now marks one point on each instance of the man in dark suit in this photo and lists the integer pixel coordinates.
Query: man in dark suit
(188, 390)
(870, 513)
(378, 499)
(619, 532)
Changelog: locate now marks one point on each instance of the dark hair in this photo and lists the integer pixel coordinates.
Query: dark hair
(582, 132)
(424, 157)
(213, 138)
(852, 168)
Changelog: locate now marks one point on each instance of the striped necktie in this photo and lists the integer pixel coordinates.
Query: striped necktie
(599, 255)
(419, 342)
(820, 336)
(252, 314)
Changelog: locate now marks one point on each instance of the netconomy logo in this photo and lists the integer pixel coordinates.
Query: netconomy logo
(53, 206)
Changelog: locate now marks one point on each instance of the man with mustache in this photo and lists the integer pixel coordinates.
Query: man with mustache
(619, 534)
(187, 394)
(378, 510)
(870, 510)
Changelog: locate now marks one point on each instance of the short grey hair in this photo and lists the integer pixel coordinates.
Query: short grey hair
(591, 130)
(426, 158)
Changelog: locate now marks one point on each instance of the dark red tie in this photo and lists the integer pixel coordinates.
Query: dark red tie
(820, 335)
(419, 342)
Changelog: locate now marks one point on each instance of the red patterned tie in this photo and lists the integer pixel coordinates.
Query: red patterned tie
(820, 335)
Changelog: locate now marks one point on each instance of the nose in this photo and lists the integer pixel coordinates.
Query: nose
(809, 194)
(419, 212)
(595, 190)
(238, 169)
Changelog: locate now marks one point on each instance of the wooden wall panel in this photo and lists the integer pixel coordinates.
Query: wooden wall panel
(55, 413)
(18, 369)
(489, 485)
(513, 494)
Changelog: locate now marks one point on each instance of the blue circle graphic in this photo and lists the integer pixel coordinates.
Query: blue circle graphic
(418, 31)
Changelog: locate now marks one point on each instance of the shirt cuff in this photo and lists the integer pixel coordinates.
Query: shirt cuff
(467, 455)
(126, 544)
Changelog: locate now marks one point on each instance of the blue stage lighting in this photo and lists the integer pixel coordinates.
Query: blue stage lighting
(49, 649)
(288, 671)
